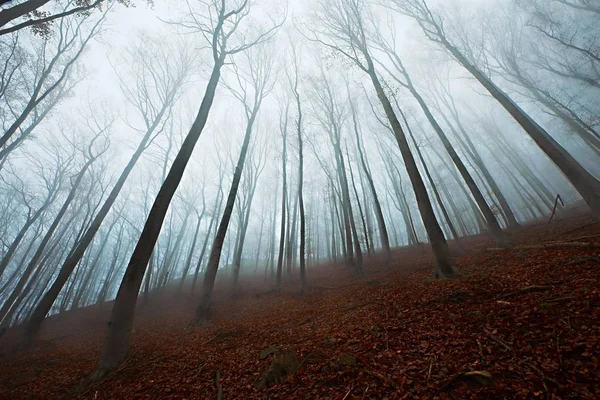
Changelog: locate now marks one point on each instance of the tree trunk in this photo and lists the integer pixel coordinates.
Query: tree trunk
(188, 262)
(203, 309)
(492, 223)
(587, 186)
(434, 187)
(118, 336)
(444, 266)
(283, 209)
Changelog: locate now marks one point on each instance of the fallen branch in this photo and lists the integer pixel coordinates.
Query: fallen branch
(525, 290)
(558, 299)
(337, 287)
(555, 205)
(550, 246)
(482, 377)
(577, 228)
(304, 360)
(219, 387)
(497, 340)
(211, 339)
(355, 306)
(541, 374)
(383, 378)
(577, 239)
(348, 393)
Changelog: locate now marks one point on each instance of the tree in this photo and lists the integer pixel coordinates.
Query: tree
(52, 185)
(39, 20)
(46, 80)
(252, 173)
(585, 183)
(283, 123)
(492, 223)
(343, 20)
(254, 85)
(220, 33)
(153, 65)
(293, 81)
(91, 155)
(385, 242)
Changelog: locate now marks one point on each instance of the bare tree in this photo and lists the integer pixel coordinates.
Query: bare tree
(585, 183)
(342, 20)
(493, 226)
(220, 31)
(50, 77)
(283, 123)
(91, 155)
(293, 81)
(39, 20)
(254, 85)
(155, 65)
(252, 172)
(52, 185)
(369, 176)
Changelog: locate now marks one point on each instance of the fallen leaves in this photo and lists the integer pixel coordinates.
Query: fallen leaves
(516, 324)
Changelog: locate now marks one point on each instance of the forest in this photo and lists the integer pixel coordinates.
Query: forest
(319, 199)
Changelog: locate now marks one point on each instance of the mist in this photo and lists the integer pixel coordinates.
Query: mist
(156, 152)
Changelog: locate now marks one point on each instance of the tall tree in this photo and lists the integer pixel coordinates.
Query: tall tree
(155, 65)
(584, 182)
(342, 21)
(254, 85)
(219, 33)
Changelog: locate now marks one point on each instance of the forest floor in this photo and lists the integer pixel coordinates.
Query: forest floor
(518, 323)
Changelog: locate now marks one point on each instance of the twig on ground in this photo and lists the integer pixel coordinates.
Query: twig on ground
(211, 339)
(481, 351)
(525, 290)
(430, 366)
(541, 374)
(383, 378)
(219, 387)
(558, 299)
(348, 393)
(483, 377)
(199, 371)
(497, 340)
(302, 362)
(354, 307)
(553, 245)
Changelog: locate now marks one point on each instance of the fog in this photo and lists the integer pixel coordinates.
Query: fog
(339, 129)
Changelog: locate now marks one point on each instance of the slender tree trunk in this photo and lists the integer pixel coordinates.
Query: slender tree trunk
(585, 183)
(37, 317)
(444, 266)
(188, 262)
(291, 236)
(283, 209)
(304, 285)
(383, 233)
(360, 208)
(472, 150)
(492, 223)
(213, 219)
(118, 336)
(434, 187)
(203, 309)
